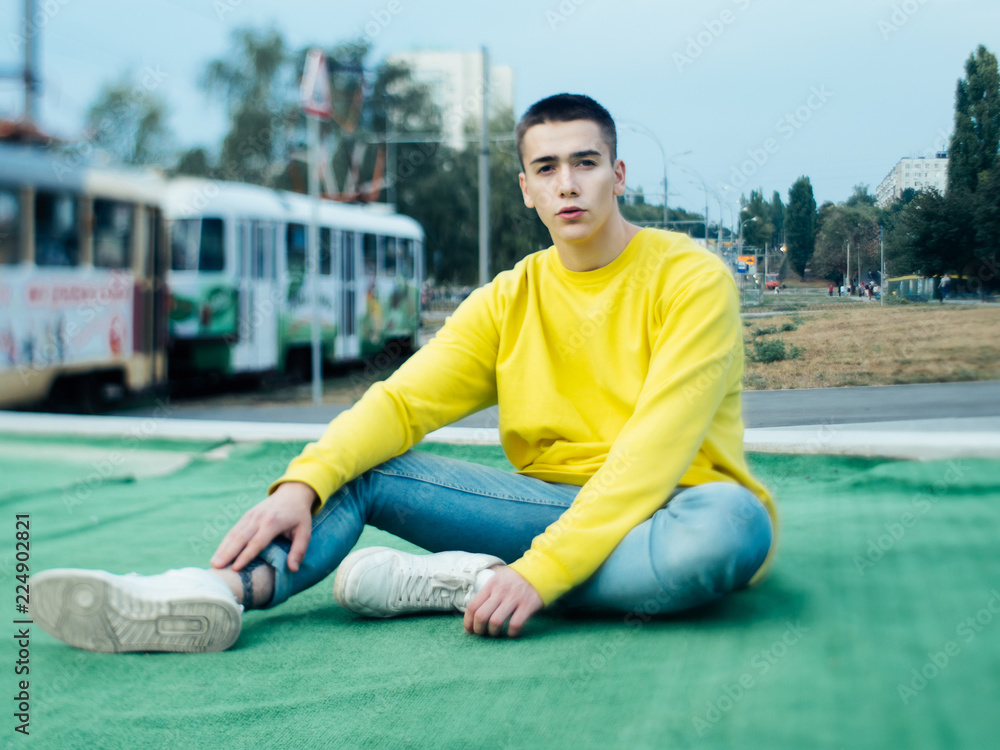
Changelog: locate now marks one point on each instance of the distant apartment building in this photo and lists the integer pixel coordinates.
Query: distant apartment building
(455, 80)
(919, 173)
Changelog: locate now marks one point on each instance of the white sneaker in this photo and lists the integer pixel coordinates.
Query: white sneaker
(384, 582)
(188, 610)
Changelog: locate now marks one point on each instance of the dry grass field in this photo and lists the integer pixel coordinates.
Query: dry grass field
(861, 343)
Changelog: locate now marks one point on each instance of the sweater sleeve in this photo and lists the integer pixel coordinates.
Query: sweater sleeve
(696, 357)
(452, 375)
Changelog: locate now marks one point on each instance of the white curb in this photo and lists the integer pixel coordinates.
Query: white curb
(877, 439)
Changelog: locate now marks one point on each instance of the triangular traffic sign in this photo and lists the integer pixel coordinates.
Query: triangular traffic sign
(315, 90)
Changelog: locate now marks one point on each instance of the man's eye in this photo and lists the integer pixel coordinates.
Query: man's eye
(588, 163)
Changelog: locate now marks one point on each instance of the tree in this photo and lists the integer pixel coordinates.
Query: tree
(922, 237)
(842, 224)
(452, 222)
(194, 163)
(861, 196)
(976, 138)
(254, 82)
(800, 225)
(778, 219)
(516, 230)
(758, 228)
(129, 121)
(987, 216)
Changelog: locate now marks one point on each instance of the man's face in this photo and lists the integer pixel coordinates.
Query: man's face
(570, 179)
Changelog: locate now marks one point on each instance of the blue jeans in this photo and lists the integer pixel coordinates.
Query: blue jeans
(704, 541)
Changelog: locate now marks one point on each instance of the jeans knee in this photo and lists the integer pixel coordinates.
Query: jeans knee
(719, 538)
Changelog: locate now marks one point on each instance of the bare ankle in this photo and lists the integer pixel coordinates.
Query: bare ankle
(253, 586)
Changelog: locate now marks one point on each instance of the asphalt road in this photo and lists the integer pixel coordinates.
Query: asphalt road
(810, 406)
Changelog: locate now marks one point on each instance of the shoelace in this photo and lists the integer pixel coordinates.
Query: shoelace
(421, 588)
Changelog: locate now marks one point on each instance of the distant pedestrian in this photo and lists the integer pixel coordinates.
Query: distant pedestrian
(831, 290)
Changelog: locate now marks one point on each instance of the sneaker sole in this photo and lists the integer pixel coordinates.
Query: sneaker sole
(92, 610)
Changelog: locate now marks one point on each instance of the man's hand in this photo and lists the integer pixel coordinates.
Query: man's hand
(505, 595)
(286, 511)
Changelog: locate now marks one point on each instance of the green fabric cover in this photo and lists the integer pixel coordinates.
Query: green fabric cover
(880, 564)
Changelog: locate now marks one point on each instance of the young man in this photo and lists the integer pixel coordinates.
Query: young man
(615, 357)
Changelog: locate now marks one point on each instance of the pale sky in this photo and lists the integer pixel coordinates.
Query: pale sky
(760, 91)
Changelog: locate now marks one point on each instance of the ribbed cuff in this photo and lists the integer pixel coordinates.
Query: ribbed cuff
(547, 575)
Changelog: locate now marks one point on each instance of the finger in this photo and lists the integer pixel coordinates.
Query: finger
(500, 615)
(470, 611)
(300, 541)
(481, 620)
(232, 543)
(253, 548)
(517, 620)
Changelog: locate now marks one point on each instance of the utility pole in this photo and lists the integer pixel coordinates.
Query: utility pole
(765, 268)
(390, 147)
(30, 65)
(317, 103)
(847, 273)
(763, 282)
(484, 177)
(881, 273)
(29, 72)
(718, 244)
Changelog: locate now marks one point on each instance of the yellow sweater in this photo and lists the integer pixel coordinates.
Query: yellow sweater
(625, 380)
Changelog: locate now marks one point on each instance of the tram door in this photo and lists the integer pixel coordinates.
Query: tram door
(257, 344)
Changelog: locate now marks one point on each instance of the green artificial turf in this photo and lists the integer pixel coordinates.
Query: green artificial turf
(880, 566)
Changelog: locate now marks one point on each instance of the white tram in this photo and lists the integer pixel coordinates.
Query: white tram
(239, 289)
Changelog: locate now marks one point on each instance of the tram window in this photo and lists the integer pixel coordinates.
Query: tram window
(325, 251)
(112, 234)
(57, 241)
(389, 257)
(10, 227)
(184, 245)
(211, 255)
(262, 251)
(348, 248)
(369, 250)
(244, 245)
(257, 252)
(295, 244)
(406, 258)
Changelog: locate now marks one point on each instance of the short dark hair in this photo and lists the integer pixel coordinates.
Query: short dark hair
(565, 108)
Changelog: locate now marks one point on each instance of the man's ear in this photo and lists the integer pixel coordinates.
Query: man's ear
(619, 177)
(522, 181)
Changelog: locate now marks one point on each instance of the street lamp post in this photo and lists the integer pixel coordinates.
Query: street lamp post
(704, 186)
(739, 244)
(643, 130)
(742, 222)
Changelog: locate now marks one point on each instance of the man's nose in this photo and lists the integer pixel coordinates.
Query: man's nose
(566, 182)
